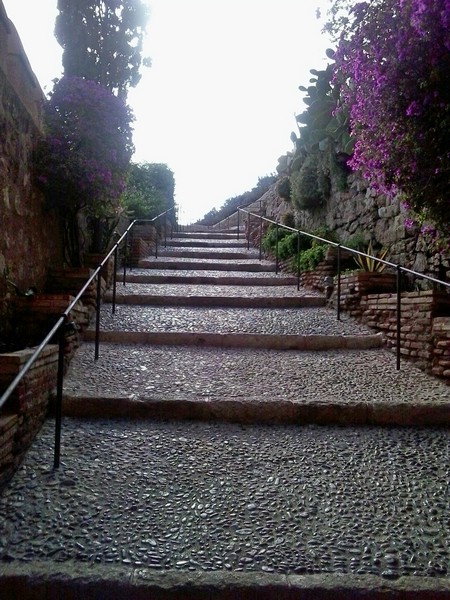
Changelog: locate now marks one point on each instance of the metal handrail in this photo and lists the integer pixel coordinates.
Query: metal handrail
(60, 328)
(398, 268)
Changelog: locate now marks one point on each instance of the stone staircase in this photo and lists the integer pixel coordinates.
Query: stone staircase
(204, 453)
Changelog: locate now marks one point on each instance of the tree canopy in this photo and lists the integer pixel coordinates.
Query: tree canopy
(102, 40)
(150, 190)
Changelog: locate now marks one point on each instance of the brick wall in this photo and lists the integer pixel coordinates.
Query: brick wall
(441, 347)
(25, 411)
(425, 330)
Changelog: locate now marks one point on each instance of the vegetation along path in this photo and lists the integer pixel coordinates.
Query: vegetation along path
(274, 460)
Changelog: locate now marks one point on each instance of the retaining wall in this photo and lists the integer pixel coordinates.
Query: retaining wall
(29, 240)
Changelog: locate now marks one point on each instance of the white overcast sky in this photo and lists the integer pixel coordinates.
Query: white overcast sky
(217, 105)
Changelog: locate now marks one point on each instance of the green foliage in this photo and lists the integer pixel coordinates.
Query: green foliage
(287, 242)
(269, 240)
(150, 190)
(102, 40)
(288, 246)
(309, 259)
(284, 188)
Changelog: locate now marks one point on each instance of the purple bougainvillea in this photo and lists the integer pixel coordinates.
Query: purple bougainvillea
(82, 162)
(84, 157)
(393, 62)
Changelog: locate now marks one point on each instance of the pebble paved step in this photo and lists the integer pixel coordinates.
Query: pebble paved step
(209, 235)
(209, 510)
(161, 299)
(216, 253)
(298, 321)
(199, 264)
(252, 385)
(208, 279)
(199, 243)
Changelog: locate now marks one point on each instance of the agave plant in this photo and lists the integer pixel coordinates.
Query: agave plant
(369, 262)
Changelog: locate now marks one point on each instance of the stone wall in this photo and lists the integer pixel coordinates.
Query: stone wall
(29, 240)
(359, 211)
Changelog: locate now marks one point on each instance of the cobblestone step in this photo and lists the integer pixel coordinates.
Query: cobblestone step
(298, 321)
(210, 510)
(211, 278)
(239, 340)
(212, 253)
(201, 243)
(177, 263)
(252, 385)
(143, 299)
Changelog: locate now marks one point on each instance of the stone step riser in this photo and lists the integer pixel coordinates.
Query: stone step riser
(198, 280)
(219, 301)
(225, 234)
(44, 579)
(250, 267)
(204, 254)
(306, 343)
(253, 411)
(177, 243)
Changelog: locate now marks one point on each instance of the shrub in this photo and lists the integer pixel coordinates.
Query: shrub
(307, 192)
(309, 259)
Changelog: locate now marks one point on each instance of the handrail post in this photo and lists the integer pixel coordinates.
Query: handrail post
(97, 313)
(338, 300)
(131, 248)
(125, 257)
(298, 261)
(249, 222)
(59, 393)
(260, 237)
(276, 249)
(114, 280)
(238, 224)
(399, 313)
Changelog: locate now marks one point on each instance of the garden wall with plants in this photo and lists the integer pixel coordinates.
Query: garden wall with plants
(356, 216)
(29, 240)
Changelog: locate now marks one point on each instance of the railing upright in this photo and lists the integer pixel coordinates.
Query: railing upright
(59, 393)
(97, 313)
(125, 258)
(249, 223)
(260, 237)
(238, 222)
(114, 281)
(131, 248)
(276, 249)
(338, 299)
(399, 314)
(298, 261)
